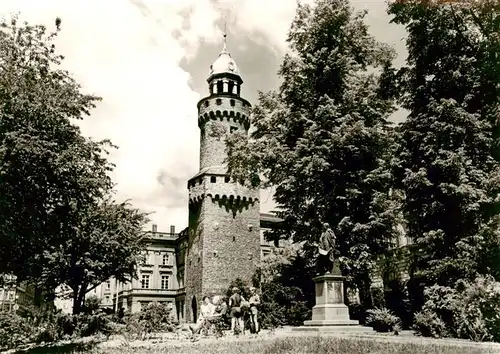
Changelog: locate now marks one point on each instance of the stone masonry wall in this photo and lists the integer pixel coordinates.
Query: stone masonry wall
(193, 266)
(216, 123)
(231, 244)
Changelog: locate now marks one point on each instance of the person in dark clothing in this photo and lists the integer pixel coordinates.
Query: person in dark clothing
(235, 302)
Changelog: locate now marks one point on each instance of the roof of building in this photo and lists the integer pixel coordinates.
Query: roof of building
(224, 64)
(271, 218)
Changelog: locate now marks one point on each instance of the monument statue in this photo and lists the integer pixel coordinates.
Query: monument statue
(326, 249)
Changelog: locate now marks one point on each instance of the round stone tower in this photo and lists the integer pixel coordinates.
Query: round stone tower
(224, 237)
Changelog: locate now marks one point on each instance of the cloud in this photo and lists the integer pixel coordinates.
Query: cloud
(130, 53)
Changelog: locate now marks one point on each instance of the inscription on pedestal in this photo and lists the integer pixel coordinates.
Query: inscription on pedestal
(335, 295)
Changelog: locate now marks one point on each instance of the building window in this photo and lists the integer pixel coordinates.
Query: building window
(218, 101)
(226, 179)
(164, 281)
(233, 129)
(213, 179)
(108, 284)
(207, 103)
(220, 87)
(107, 298)
(232, 102)
(166, 259)
(145, 281)
(230, 87)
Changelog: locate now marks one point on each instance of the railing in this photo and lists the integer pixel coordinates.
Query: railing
(161, 236)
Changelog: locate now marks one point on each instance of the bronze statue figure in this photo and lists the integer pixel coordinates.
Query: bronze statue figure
(326, 248)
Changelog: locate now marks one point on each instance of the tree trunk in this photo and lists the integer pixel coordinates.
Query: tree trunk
(76, 303)
(78, 296)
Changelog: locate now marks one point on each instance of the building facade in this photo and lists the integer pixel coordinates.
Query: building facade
(20, 296)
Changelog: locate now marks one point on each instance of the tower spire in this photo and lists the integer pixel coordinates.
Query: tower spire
(224, 49)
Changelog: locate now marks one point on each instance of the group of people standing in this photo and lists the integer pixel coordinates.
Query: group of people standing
(237, 308)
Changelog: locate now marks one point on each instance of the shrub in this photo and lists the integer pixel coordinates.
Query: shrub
(383, 320)
(282, 305)
(470, 310)
(398, 301)
(378, 297)
(92, 303)
(428, 324)
(91, 324)
(357, 312)
(154, 318)
(14, 330)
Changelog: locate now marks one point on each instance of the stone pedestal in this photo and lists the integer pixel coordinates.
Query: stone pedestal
(330, 312)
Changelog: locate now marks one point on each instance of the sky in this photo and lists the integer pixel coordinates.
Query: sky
(149, 62)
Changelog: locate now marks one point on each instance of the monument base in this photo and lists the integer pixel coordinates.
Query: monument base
(330, 313)
(333, 329)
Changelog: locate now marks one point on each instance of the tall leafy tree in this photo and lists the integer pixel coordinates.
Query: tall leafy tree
(48, 170)
(448, 155)
(108, 243)
(57, 224)
(322, 139)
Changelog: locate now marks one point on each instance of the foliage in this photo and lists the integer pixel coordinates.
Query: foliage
(397, 300)
(156, 317)
(428, 324)
(322, 140)
(92, 303)
(448, 153)
(58, 225)
(287, 291)
(378, 296)
(109, 244)
(91, 324)
(48, 170)
(470, 310)
(383, 320)
(14, 330)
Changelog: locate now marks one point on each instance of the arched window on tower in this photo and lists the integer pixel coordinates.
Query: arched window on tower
(231, 87)
(238, 87)
(220, 86)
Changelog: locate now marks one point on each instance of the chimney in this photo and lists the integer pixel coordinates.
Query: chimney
(155, 228)
(172, 229)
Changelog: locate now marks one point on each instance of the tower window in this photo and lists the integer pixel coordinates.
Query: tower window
(226, 179)
(220, 86)
(238, 87)
(218, 101)
(232, 103)
(233, 129)
(230, 87)
(207, 103)
(213, 179)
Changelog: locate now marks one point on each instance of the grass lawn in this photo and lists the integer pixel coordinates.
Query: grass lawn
(302, 345)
